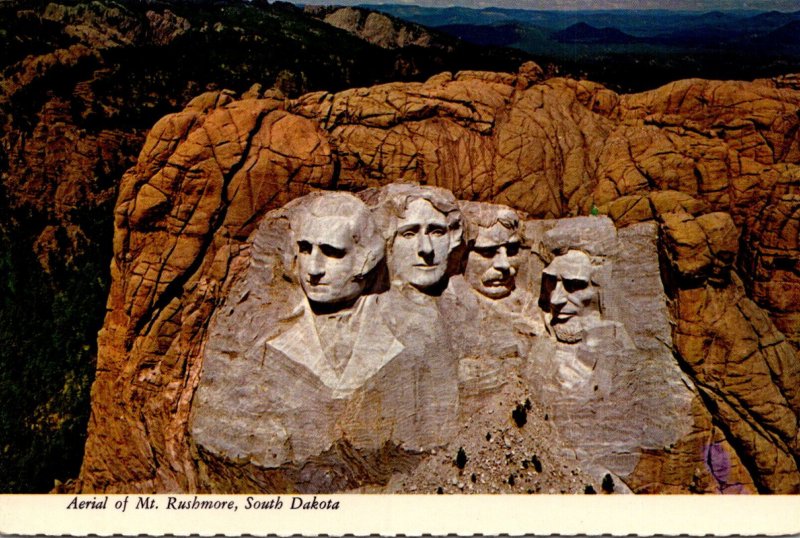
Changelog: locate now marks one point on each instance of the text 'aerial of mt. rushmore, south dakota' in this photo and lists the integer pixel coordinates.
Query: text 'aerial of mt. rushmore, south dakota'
(446, 278)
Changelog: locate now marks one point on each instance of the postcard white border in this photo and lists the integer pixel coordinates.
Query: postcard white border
(414, 515)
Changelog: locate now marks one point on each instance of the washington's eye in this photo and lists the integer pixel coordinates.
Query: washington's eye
(574, 284)
(332, 252)
(512, 249)
(304, 247)
(549, 281)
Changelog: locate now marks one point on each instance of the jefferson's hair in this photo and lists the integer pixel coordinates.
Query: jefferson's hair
(396, 198)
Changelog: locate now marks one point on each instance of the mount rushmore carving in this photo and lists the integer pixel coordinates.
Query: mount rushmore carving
(367, 328)
(685, 381)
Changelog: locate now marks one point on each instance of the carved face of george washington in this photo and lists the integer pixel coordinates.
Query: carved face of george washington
(337, 246)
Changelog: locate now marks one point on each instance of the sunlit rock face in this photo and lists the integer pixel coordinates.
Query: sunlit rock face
(698, 177)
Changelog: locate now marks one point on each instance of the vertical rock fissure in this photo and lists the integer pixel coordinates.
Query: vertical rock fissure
(174, 288)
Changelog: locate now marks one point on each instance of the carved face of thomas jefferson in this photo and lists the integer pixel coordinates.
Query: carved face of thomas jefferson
(421, 245)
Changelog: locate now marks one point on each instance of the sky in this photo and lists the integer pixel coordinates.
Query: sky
(689, 5)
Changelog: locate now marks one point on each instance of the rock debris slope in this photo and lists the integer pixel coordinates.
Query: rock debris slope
(715, 166)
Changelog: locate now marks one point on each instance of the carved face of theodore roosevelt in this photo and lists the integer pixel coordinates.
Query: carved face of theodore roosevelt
(337, 246)
(494, 256)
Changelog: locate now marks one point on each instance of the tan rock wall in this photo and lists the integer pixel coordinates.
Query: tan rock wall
(553, 148)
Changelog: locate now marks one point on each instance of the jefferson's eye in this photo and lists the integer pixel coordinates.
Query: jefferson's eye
(512, 249)
(437, 231)
(304, 247)
(408, 234)
(332, 252)
(574, 284)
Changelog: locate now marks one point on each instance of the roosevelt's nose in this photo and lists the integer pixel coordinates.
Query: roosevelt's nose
(558, 297)
(500, 260)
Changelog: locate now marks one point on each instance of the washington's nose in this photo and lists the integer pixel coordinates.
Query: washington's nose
(558, 297)
(316, 265)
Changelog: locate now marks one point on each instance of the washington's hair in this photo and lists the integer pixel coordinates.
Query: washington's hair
(369, 242)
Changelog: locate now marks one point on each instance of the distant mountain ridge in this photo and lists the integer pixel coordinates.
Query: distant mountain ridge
(500, 35)
(585, 33)
(385, 31)
(637, 23)
(788, 35)
(630, 50)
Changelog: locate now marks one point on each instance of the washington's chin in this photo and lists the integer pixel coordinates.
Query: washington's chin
(327, 296)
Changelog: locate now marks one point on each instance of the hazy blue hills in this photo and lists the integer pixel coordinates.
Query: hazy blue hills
(630, 50)
(585, 33)
(500, 35)
(788, 36)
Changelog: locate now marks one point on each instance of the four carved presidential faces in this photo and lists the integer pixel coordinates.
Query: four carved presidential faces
(330, 273)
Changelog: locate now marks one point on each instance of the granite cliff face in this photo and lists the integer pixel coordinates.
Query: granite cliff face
(711, 167)
(378, 28)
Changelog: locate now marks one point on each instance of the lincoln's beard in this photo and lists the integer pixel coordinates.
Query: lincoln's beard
(569, 331)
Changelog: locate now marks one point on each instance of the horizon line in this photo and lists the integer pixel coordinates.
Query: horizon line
(481, 6)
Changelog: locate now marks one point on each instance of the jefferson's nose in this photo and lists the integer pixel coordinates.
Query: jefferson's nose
(424, 245)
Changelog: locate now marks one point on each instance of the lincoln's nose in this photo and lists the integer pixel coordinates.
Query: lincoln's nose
(558, 297)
